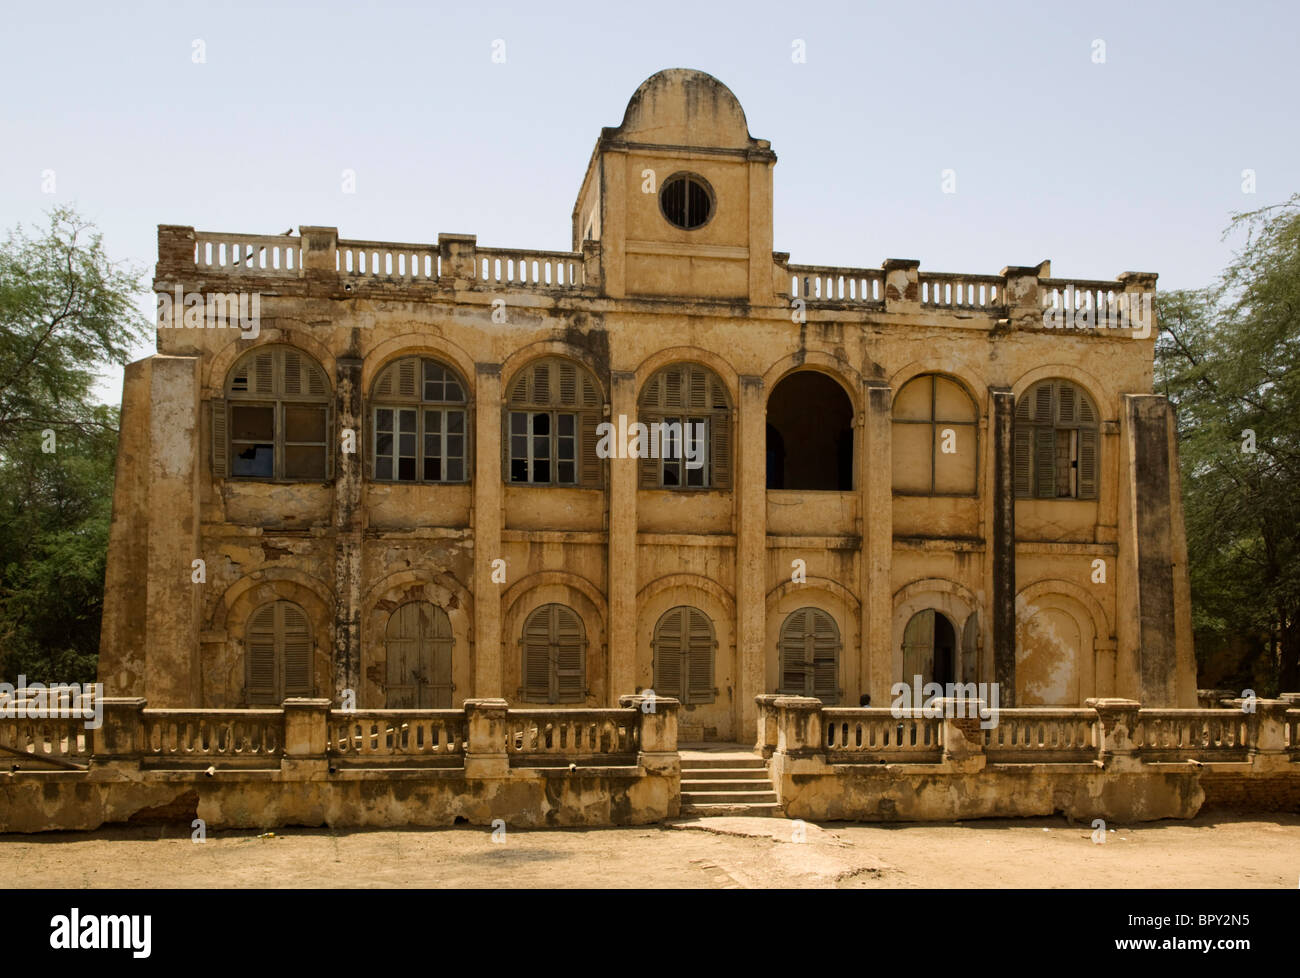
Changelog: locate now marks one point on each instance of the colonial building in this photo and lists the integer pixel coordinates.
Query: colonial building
(386, 472)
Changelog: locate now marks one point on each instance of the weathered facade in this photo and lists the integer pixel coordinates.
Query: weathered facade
(399, 488)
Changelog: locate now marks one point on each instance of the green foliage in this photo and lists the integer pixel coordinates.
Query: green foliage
(65, 310)
(1227, 358)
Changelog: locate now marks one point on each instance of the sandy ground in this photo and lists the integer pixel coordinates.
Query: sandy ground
(726, 853)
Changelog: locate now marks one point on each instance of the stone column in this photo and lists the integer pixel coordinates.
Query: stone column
(115, 744)
(487, 520)
(486, 756)
(319, 258)
(1119, 723)
(1003, 549)
(1266, 734)
(457, 254)
(306, 737)
(173, 600)
(767, 726)
(751, 550)
(876, 475)
(348, 525)
(902, 285)
(622, 571)
(963, 737)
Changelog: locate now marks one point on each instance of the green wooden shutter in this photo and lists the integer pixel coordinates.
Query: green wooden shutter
(220, 439)
(970, 649)
(1045, 462)
(570, 656)
(536, 643)
(441, 642)
(669, 637)
(648, 468)
(259, 647)
(296, 639)
(505, 445)
(699, 657)
(918, 647)
(1088, 463)
(825, 658)
(1023, 461)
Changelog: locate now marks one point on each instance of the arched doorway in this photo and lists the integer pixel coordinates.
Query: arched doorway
(812, 418)
(930, 649)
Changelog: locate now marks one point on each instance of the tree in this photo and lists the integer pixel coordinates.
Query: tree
(65, 310)
(1227, 358)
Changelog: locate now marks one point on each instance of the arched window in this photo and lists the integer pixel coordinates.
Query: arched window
(554, 656)
(1056, 442)
(418, 645)
(812, 418)
(420, 423)
(554, 407)
(935, 438)
(273, 423)
(684, 655)
(809, 652)
(278, 654)
(688, 425)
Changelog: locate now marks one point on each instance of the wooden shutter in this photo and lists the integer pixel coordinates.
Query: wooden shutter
(568, 384)
(1045, 462)
(1043, 413)
(918, 647)
(1066, 404)
(441, 647)
(402, 648)
(296, 638)
(970, 650)
(1088, 463)
(669, 638)
(293, 373)
(220, 439)
(720, 449)
(536, 642)
(699, 656)
(542, 383)
(793, 669)
(259, 647)
(570, 656)
(1023, 461)
(648, 468)
(825, 658)
(591, 472)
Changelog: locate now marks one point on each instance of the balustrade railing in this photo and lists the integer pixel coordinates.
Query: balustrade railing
(379, 260)
(537, 269)
(364, 736)
(248, 254)
(944, 290)
(543, 736)
(1200, 735)
(1035, 734)
(234, 737)
(42, 738)
(861, 286)
(867, 734)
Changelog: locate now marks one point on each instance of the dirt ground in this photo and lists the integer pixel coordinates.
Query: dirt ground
(718, 853)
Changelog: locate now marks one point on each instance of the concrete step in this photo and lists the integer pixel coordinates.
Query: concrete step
(750, 762)
(724, 773)
(728, 797)
(769, 810)
(731, 784)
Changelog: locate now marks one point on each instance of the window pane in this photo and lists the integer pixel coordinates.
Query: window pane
(541, 471)
(541, 447)
(304, 423)
(566, 473)
(383, 444)
(406, 469)
(566, 422)
(453, 392)
(383, 468)
(565, 447)
(455, 470)
(519, 470)
(256, 461)
(432, 421)
(304, 462)
(252, 423)
(406, 445)
(455, 446)
(384, 419)
(541, 424)
(456, 421)
(518, 423)
(432, 468)
(406, 419)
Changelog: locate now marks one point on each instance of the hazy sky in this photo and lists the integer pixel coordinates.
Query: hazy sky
(1132, 163)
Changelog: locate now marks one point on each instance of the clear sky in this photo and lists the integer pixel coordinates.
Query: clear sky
(1134, 162)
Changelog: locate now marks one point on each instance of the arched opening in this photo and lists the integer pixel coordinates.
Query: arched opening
(930, 649)
(812, 417)
(418, 643)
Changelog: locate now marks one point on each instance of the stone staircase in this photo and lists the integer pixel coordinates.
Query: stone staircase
(726, 783)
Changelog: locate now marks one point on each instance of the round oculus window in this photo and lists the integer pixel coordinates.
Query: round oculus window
(687, 201)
